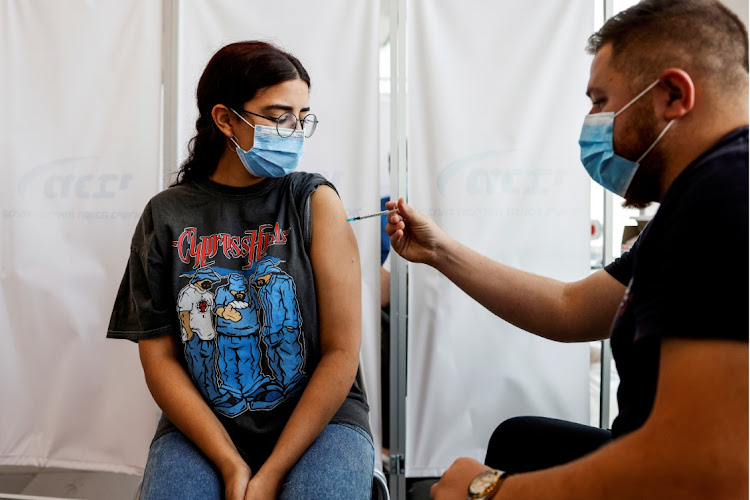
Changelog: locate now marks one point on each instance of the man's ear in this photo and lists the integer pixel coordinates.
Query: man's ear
(678, 93)
(223, 116)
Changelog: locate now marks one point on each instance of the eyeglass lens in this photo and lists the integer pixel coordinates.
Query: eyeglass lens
(309, 123)
(286, 124)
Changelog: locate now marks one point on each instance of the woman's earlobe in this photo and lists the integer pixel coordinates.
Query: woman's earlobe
(222, 118)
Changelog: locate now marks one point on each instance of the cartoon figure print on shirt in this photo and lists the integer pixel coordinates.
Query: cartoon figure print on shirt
(281, 323)
(242, 336)
(239, 356)
(195, 305)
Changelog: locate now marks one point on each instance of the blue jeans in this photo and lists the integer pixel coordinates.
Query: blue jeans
(338, 465)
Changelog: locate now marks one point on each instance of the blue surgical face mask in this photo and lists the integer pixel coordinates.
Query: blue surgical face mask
(611, 171)
(271, 154)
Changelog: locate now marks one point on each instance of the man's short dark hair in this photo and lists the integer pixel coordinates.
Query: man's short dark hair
(703, 37)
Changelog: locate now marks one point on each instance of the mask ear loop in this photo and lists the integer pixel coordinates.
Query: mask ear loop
(243, 119)
(656, 141)
(628, 104)
(251, 125)
(662, 132)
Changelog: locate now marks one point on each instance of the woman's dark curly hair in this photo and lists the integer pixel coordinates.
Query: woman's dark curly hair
(232, 77)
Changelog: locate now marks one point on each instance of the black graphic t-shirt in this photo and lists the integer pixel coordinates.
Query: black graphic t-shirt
(686, 275)
(226, 270)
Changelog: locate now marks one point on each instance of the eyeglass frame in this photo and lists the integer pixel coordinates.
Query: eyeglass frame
(300, 120)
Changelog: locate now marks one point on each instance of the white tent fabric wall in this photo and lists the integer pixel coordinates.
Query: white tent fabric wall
(495, 104)
(340, 52)
(79, 132)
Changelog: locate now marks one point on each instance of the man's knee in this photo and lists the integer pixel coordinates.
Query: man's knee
(510, 430)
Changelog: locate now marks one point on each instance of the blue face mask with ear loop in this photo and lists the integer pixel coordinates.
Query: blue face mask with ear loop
(271, 154)
(611, 171)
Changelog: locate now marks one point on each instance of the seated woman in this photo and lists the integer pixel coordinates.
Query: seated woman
(247, 317)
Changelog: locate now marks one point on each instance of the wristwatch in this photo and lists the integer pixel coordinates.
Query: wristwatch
(485, 484)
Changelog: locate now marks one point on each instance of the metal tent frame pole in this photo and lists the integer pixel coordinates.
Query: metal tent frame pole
(607, 257)
(399, 269)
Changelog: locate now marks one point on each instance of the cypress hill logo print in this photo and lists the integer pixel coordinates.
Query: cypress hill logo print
(242, 336)
(250, 246)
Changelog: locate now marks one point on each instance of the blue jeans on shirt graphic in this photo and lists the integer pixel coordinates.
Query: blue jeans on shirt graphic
(239, 365)
(338, 466)
(201, 360)
(285, 356)
(281, 329)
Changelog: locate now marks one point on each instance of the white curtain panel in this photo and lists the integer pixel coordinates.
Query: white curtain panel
(79, 147)
(336, 41)
(496, 98)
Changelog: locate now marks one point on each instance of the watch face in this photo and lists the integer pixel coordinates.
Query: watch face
(483, 482)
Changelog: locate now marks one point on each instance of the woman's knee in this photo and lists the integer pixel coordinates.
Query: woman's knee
(176, 468)
(338, 465)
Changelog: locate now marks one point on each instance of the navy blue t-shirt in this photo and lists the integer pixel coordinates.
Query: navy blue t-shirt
(687, 274)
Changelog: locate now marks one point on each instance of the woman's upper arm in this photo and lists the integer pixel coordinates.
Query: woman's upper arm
(155, 349)
(335, 261)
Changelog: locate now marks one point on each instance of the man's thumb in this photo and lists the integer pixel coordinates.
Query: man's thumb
(403, 209)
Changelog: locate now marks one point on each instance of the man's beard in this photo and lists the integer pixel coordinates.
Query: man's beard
(645, 187)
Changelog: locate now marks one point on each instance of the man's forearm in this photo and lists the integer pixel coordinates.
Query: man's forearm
(540, 305)
(639, 465)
